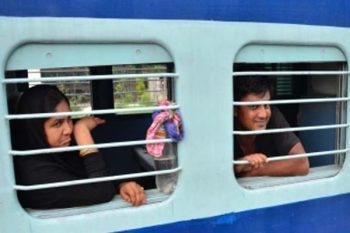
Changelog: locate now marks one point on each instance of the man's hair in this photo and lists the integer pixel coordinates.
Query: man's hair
(244, 85)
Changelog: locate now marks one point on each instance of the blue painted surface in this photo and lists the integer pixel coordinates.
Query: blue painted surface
(313, 12)
(326, 215)
(318, 140)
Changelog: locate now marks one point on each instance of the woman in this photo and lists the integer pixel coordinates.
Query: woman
(57, 132)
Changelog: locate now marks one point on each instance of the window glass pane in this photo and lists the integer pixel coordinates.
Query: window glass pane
(78, 92)
(140, 92)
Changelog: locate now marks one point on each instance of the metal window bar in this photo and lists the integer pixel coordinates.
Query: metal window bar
(80, 94)
(268, 73)
(90, 112)
(90, 77)
(95, 180)
(290, 129)
(291, 101)
(114, 93)
(296, 156)
(92, 146)
(134, 92)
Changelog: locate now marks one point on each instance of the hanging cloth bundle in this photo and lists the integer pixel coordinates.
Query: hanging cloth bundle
(166, 123)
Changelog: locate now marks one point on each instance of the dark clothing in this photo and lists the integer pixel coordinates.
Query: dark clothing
(29, 134)
(272, 144)
(39, 169)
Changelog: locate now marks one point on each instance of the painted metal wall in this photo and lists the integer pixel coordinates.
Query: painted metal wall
(203, 53)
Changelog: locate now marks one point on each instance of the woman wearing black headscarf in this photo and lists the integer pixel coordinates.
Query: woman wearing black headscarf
(56, 132)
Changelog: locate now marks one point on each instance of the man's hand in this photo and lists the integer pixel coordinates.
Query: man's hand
(256, 161)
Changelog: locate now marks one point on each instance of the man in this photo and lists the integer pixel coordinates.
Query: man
(257, 148)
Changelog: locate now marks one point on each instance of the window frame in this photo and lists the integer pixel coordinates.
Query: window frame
(287, 54)
(22, 81)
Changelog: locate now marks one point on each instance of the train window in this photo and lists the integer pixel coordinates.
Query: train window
(310, 92)
(124, 90)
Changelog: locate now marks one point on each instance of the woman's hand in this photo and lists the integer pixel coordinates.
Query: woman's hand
(83, 127)
(88, 123)
(256, 161)
(132, 193)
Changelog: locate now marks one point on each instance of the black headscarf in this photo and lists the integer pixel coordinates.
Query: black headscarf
(38, 99)
(53, 167)
(29, 134)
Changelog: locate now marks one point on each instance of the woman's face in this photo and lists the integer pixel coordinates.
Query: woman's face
(58, 130)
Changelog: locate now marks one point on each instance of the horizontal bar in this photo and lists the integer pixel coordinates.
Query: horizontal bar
(291, 101)
(262, 73)
(93, 146)
(291, 129)
(94, 112)
(94, 180)
(89, 77)
(296, 156)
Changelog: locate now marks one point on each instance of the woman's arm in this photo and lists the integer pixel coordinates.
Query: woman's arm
(130, 191)
(39, 170)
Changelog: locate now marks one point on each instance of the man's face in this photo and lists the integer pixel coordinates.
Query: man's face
(254, 117)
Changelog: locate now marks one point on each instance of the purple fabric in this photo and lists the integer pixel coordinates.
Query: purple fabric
(171, 129)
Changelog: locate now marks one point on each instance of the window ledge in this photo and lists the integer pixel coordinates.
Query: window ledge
(268, 181)
(153, 196)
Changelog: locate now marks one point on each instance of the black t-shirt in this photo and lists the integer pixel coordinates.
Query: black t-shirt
(272, 144)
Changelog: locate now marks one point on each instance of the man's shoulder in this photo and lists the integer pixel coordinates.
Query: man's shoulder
(277, 119)
(275, 112)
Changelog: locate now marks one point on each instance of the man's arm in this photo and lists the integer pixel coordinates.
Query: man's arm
(291, 167)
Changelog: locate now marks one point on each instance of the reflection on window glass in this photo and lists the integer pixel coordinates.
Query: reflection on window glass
(140, 92)
(130, 92)
(78, 92)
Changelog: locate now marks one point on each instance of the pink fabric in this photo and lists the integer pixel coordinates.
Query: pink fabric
(158, 131)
